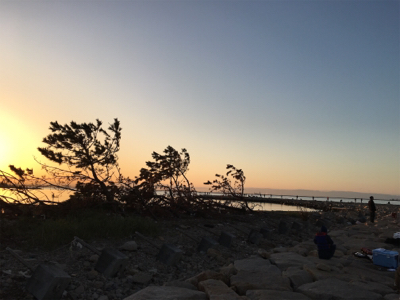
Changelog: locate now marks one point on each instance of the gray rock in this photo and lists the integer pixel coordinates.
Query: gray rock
(280, 250)
(374, 287)
(392, 297)
(79, 290)
(207, 275)
(228, 271)
(323, 267)
(297, 277)
(263, 253)
(361, 273)
(182, 284)
(214, 253)
(309, 245)
(274, 295)
(94, 258)
(318, 274)
(288, 259)
(129, 246)
(167, 293)
(255, 237)
(252, 264)
(300, 250)
(339, 253)
(142, 277)
(216, 289)
(98, 284)
(256, 280)
(92, 274)
(336, 289)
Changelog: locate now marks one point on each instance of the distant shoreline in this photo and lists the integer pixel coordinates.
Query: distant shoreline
(315, 193)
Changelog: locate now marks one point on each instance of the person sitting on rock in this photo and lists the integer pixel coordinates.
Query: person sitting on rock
(326, 247)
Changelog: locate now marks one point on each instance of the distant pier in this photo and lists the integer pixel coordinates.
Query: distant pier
(319, 203)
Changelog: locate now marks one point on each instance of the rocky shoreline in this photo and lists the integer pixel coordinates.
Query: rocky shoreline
(282, 263)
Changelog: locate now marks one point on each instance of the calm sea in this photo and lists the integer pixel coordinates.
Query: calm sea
(60, 196)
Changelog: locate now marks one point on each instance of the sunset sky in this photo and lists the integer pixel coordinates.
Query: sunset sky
(299, 94)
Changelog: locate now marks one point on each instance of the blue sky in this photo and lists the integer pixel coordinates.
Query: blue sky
(299, 94)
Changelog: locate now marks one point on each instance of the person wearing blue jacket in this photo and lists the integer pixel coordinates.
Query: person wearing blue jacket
(326, 247)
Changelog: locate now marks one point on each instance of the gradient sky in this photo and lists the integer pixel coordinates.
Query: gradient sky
(299, 94)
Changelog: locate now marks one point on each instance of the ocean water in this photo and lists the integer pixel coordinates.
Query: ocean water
(259, 196)
(280, 207)
(60, 196)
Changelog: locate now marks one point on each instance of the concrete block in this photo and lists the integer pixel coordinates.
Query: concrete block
(48, 282)
(225, 239)
(254, 237)
(110, 262)
(169, 254)
(205, 243)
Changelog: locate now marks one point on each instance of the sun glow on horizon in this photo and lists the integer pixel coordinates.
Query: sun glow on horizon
(18, 141)
(4, 150)
(6, 143)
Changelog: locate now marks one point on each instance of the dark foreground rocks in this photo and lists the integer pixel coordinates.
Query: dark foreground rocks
(278, 264)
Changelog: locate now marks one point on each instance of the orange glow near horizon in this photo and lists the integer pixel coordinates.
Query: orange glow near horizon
(20, 137)
(5, 140)
(4, 149)
(18, 142)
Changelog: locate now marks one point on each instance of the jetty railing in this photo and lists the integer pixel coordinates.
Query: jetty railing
(259, 197)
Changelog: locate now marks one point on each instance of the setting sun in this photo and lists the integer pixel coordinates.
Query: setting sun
(18, 141)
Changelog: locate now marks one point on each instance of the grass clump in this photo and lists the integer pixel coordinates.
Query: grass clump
(89, 225)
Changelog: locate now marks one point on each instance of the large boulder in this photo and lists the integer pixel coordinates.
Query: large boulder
(317, 274)
(270, 294)
(258, 280)
(252, 264)
(391, 297)
(299, 249)
(167, 293)
(207, 275)
(335, 289)
(369, 276)
(181, 284)
(289, 259)
(216, 289)
(373, 287)
(297, 277)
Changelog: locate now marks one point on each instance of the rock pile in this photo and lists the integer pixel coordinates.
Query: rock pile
(282, 264)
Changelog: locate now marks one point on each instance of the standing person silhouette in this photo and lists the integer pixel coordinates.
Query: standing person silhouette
(372, 209)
